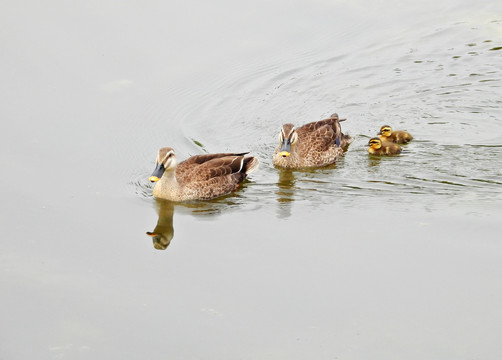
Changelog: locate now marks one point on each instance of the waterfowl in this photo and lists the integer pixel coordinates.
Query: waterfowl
(314, 144)
(200, 177)
(379, 147)
(397, 136)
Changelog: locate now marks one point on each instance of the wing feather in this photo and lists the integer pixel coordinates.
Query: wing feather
(211, 167)
(337, 137)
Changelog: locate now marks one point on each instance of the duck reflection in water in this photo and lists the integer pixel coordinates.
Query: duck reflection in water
(285, 192)
(164, 230)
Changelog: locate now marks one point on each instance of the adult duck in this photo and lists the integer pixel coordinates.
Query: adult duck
(200, 177)
(315, 144)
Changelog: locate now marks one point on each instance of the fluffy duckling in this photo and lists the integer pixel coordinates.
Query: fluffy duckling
(318, 143)
(397, 136)
(201, 177)
(379, 147)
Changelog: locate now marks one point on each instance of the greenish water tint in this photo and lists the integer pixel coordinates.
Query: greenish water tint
(365, 258)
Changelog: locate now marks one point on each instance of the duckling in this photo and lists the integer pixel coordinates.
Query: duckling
(397, 136)
(200, 177)
(318, 143)
(379, 147)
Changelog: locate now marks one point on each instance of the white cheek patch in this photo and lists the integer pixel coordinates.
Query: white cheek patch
(290, 135)
(165, 157)
(294, 138)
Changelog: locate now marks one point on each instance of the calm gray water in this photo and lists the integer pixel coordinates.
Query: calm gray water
(371, 258)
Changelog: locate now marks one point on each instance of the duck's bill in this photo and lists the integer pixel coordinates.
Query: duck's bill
(157, 173)
(285, 148)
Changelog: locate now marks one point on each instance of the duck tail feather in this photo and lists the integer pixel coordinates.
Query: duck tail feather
(250, 164)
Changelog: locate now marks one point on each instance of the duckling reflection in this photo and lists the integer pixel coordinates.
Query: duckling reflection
(164, 230)
(285, 192)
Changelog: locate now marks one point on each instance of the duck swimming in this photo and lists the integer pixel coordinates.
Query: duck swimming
(379, 147)
(200, 177)
(396, 136)
(315, 144)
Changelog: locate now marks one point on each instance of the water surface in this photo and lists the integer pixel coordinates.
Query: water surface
(370, 258)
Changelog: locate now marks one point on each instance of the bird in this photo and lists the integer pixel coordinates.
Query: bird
(200, 177)
(315, 144)
(397, 136)
(379, 147)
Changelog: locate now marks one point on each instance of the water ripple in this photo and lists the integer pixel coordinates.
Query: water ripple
(445, 92)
